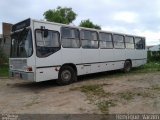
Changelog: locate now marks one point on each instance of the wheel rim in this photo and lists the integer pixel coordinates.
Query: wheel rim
(66, 75)
(128, 67)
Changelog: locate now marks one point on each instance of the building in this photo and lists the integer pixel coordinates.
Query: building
(154, 48)
(5, 38)
(1, 38)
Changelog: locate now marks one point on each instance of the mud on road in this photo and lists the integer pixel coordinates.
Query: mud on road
(98, 93)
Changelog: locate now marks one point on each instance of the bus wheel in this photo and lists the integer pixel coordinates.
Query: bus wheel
(127, 66)
(66, 75)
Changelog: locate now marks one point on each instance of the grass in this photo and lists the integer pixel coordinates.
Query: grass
(104, 106)
(33, 101)
(156, 87)
(149, 67)
(126, 95)
(93, 90)
(96, 93)
(103, 100)
(145, 94)
(129, 95)
(4, 71)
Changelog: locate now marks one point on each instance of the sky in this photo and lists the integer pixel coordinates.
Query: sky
(137, 17)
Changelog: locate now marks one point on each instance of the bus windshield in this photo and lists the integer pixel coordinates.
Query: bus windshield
(21, 44)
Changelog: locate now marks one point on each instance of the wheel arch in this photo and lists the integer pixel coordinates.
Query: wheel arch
(129, 61)
(71, 65)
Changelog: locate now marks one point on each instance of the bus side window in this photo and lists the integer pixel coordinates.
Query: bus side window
(89, 39)
(129, 42)
(70, 37)
(47, 45)
(139, 43)
(105, 40)
(118, 41)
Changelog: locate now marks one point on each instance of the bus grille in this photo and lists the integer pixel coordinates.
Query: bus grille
(18, 64)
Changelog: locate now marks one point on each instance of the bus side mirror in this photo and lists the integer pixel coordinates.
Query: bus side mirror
(45, 33)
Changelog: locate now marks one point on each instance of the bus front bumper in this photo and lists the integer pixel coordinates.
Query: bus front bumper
(21, 75)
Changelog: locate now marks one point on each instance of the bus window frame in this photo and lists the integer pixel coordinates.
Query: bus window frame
(29, 28)
(128, 42)
(144, 47)
(70, 38)
(106, 41)
(88, 39)
(119, 42)
(36, 42)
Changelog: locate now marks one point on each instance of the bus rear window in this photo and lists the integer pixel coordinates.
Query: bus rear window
(139, 43)
(21, 44)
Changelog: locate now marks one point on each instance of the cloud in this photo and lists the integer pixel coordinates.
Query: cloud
(152, 38)
(136, 16)
(128, 17)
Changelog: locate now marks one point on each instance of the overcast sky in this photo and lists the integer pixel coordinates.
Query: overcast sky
(139, 17)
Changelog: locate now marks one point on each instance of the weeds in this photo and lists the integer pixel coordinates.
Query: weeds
(104, 106)
(34, 101)
(156, 87)
(96, 93)
(149, 67)
(130, 95)
(126, 95)
(95, 90)
(4, 71)
(145, 94)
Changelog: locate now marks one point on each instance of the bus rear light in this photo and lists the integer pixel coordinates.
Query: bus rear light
(29, 69)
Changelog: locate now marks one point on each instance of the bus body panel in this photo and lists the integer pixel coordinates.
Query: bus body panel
(86, 60)
(89, 59)
(46, 66)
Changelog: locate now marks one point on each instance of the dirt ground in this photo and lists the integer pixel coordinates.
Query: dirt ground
(131, 93)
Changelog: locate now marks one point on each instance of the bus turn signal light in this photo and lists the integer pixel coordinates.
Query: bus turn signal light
(29, 69)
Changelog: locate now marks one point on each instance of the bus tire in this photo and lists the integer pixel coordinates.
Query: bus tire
(127, 66)
(66, 75)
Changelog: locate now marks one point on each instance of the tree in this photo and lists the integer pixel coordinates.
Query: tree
(87, 23)
(61, 15)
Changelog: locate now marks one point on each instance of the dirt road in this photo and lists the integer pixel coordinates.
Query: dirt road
(98, 93)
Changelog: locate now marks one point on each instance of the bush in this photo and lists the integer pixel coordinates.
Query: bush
(153, 56)
(3, 58)
(4, 72)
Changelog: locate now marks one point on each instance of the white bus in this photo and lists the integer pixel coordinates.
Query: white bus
(43, 51)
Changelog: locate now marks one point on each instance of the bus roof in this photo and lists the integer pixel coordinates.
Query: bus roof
(60, 24)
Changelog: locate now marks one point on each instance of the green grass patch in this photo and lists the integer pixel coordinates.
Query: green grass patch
(145, 94)
(156, 87)
(4, 71)
(104, 106)
(129, 95)
(96, 94)
(149, 67)
(126, 95)
(94, 90)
